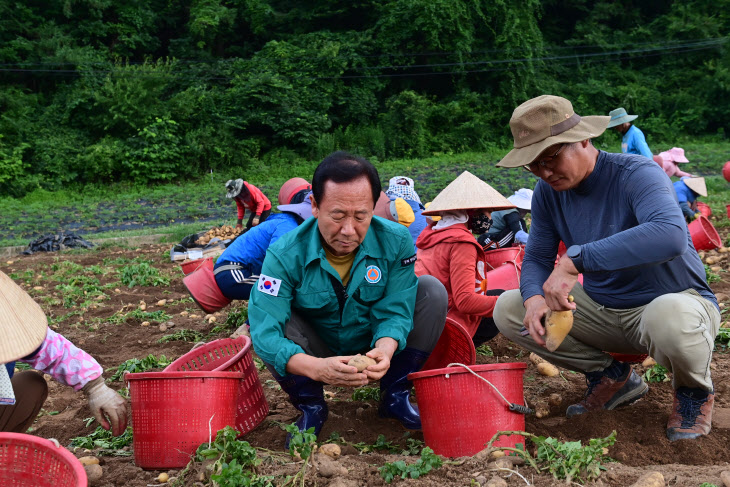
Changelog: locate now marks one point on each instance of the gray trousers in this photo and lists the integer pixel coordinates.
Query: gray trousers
(428, 322)
(678, 330)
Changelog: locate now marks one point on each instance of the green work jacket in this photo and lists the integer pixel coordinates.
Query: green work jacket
(379, 300)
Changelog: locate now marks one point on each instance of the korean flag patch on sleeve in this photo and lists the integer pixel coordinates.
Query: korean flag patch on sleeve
(269, 285)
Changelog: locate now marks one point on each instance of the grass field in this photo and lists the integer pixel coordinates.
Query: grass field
(190, 206)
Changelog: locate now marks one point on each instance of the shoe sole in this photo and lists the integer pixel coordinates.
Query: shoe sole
(629, 398)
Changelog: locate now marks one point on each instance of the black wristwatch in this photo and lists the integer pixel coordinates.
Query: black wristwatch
(574, 254)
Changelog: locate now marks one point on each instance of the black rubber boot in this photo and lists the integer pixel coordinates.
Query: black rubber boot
(307, 396)
(395, 388)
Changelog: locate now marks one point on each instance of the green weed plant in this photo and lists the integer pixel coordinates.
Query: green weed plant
(133, 365)
(427, 462)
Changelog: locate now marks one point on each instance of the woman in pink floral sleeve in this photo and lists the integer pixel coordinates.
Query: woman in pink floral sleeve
(25, 337)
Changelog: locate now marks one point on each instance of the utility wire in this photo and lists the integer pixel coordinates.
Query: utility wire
(519, 63)
(666, 45)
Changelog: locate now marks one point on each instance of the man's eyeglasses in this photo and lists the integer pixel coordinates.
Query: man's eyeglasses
(544, 162)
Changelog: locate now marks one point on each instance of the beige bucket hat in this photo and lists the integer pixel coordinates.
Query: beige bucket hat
(544, 121)
(23, 324)
(697, 185)
(467, 192)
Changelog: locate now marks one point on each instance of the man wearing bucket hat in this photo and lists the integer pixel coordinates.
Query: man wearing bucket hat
(448, 251)
(238, 268)
(688, 189)
(509, 226)
(25, 337)
(633, 141)
(644, 288)
(670, 160)
(342, 284)
(403, 187)
(246, 195)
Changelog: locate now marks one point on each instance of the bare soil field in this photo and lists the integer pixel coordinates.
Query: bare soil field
(85, 300)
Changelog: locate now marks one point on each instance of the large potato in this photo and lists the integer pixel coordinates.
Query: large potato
(361, 362)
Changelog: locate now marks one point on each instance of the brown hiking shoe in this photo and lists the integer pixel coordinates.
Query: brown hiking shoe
(606, 393)
(691, 414)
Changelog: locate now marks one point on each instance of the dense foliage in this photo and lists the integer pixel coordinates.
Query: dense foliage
(150, 91)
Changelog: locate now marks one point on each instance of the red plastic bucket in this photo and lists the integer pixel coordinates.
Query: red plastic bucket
(226, 355)
(30, 461)
(192, 265)
(203, 289)
(705, 209)
(495, 258)
(506, 276)
(460, 413)
(727, 207)
(704, 236)
(726, 171)
(454, 345)
(173, 413)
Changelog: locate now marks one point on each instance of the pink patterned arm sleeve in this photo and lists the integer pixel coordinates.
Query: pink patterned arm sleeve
(64, 361)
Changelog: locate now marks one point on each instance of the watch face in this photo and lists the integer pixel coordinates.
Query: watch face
(573, 251)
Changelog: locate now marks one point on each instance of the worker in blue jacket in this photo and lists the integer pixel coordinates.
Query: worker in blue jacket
(238, 268)
(343, 284)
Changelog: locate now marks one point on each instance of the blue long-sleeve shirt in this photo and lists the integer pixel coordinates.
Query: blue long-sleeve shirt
(684, 194)
(634, 241)
(634, 142)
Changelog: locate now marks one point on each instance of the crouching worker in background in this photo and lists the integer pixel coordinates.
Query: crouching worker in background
(238, 268)
(25, 337)
(342, 284)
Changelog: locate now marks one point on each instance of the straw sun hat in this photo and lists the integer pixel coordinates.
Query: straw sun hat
(22, 322)
(545, 121)
(467, 192)
(697, 185)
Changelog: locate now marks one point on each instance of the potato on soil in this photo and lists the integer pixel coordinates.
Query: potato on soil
(89, 460)
(361, 362)
(651, 479)
(331, 450)
(648, 362)
(93, 473)
(555, 399)
(536, 359)
(547, 369)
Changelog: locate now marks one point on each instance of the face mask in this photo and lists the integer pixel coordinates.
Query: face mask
(479, 224)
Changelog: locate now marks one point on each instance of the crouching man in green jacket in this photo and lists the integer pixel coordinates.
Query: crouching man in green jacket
(340, 284)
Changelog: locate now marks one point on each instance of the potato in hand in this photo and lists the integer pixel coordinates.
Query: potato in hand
(361, 362)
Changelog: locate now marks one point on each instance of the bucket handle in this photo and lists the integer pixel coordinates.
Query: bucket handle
(517, 408)
(513, 261)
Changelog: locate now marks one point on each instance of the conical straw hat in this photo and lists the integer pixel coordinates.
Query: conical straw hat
(22, 322)
(697, 185)
(468, 192)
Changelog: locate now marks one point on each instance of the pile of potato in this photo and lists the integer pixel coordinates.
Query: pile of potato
(223, 232)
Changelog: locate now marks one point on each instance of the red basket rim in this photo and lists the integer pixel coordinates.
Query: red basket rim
(183, 375)
(196, 352)
(461, 370)
(48, 445)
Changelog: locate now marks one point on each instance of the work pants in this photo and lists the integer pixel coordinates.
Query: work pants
(678, 330)
(31, 392)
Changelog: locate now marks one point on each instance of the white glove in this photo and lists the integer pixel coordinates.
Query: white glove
(105, 403)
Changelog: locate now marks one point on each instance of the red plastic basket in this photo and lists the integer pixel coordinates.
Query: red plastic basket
(705, 209)
(454, 345)
(30, 461)
(192, 265)
(703, 233)
(460, 413)
(229, 354)
(173, 413)
(495, 258)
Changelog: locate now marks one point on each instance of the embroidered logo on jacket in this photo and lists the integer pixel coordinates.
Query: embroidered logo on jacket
(269, 285)
(372, 274)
